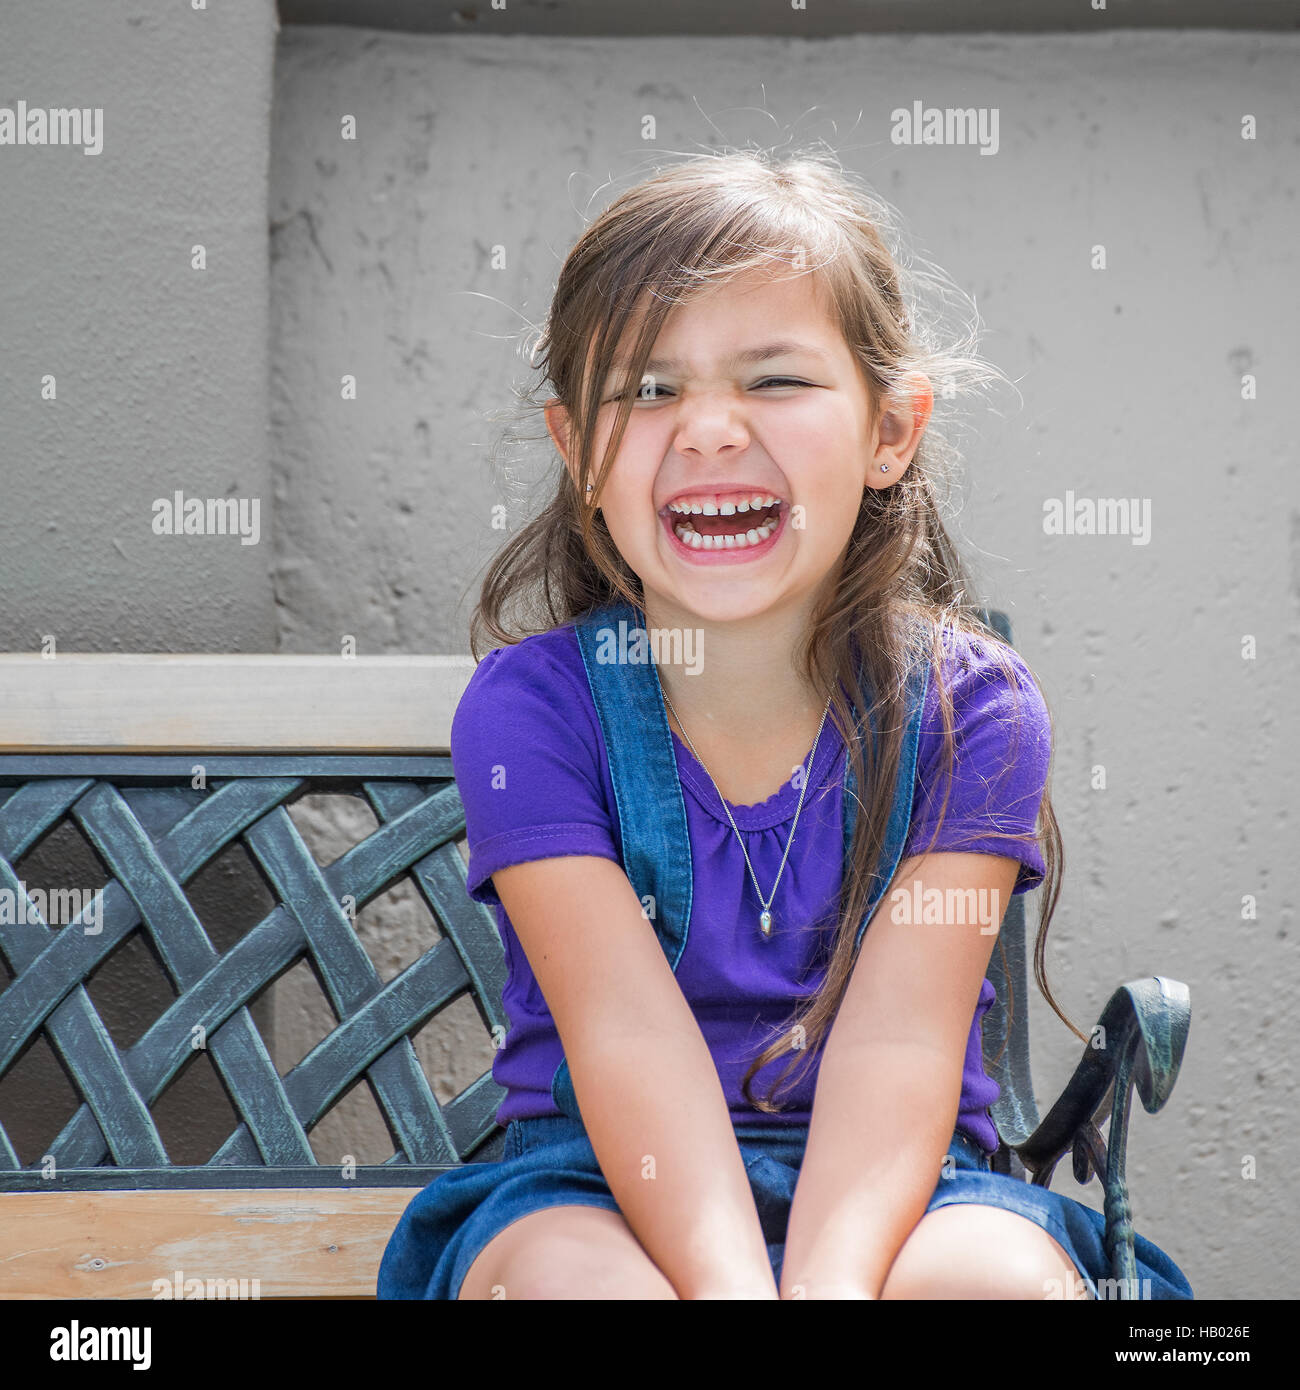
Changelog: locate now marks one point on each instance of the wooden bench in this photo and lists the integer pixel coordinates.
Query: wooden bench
(162, 763)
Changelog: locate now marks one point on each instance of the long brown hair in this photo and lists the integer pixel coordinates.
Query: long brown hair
(901, 591)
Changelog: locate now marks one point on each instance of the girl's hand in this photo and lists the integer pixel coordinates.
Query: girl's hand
(736, 1284)
(826, 1289)
(734, 1292)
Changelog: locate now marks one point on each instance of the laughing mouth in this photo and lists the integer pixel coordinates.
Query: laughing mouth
(729, 523)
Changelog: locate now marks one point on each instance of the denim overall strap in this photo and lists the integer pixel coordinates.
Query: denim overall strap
(900, 815)
(648, 798)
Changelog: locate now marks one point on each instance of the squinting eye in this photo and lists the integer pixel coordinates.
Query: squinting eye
(638, 393)
(642, 393)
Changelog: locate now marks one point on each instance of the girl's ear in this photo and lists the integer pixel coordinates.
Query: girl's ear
(900, 428)
(557, 426)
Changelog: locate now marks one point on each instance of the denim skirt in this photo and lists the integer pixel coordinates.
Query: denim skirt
(548, 1161)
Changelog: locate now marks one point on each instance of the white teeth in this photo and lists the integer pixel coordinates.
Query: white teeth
(688, 535)
(697, 540)
(757, 502)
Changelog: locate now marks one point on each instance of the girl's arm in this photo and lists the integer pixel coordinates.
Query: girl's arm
(889, 1084)
(649, 1092)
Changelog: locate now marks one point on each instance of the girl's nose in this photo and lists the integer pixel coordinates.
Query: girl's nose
(709, 424)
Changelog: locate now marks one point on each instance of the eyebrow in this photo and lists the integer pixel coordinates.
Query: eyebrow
(744, 358)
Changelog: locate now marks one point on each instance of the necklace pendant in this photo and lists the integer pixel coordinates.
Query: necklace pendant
(765, 922)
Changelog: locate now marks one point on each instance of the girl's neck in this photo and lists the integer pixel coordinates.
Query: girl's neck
(745, 684)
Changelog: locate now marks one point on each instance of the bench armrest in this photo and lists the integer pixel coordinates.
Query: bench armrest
(1138, 1041)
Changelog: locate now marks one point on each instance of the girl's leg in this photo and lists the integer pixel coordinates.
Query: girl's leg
(970, 1250)
(565, 1252)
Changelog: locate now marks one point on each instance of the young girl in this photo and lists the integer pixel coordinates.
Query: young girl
(756, 723)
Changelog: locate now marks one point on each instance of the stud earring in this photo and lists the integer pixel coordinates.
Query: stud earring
(884, 468)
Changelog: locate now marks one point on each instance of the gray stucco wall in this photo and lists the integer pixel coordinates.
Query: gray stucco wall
(161, 370)
(381, 266)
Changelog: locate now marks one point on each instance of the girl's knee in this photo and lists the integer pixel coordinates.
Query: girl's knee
(972, 1251)
(574, 1253)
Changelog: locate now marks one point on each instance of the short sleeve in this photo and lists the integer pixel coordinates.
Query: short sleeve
(1002, 753)
(526, 750)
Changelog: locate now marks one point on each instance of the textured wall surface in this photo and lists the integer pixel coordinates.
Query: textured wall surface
(160, 369)
(385, 263)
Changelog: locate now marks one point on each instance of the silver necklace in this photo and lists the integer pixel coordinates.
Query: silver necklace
(765, 918)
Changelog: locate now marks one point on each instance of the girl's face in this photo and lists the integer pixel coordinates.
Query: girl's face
(740, 474)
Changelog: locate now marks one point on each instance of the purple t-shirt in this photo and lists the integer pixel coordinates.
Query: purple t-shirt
(530, 763)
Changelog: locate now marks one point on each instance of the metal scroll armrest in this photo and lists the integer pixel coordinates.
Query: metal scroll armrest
(1138, 1041)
